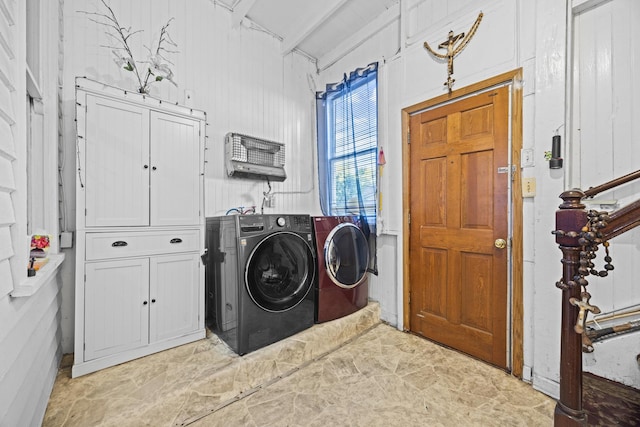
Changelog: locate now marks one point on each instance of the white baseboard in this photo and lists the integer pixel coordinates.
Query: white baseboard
(545, 385)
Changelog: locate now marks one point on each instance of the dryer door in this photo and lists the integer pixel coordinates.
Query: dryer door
(346, 255)
(280, 271)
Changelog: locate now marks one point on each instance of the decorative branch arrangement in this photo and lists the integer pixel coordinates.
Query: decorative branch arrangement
(156, 68)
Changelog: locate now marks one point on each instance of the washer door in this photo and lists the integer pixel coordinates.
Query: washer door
(280, 271)
(346, 255)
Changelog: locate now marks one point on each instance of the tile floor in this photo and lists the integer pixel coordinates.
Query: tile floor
(353, 371)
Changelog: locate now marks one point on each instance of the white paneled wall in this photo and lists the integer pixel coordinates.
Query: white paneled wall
(30, 332)
(237, 76)
(606, 131)
(606, 145)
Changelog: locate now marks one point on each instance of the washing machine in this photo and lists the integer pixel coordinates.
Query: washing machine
(342, 286)
(260, 277)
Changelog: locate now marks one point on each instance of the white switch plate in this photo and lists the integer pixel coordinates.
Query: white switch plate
(526, 158)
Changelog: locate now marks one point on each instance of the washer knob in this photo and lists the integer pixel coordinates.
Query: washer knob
(281, 221)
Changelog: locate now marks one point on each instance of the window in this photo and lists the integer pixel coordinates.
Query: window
(348, 144)
(347, 117)
(35, 167)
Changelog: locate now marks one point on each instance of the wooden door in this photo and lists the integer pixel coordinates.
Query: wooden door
(458, 208)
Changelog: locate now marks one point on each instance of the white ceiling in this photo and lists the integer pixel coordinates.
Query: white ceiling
(325, 30)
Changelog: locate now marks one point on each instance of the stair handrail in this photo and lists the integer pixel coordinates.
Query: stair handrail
(571, 217)
(622, 220)
(592, 191)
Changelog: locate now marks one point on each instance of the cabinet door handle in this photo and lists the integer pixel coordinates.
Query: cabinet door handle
(145, 303)
(154, 168)
(175, 240)
(119, 243)
(146, 166)
(153, 300)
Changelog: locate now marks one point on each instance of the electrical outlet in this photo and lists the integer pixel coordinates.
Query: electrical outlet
(528, 187)
(66, 239)
(270, 202)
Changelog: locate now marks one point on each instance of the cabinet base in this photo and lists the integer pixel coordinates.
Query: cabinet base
(80, 368)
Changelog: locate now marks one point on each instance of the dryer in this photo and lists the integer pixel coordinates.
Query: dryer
(260, 277)
(342, 249)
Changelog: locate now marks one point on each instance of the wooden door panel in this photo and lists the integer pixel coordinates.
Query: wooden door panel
(468, 240)
(458, 208)
(460, 337)
(435, 301)
(476, 122)
(434, 173)
(476, 188)
(477, 284)
(435, 132)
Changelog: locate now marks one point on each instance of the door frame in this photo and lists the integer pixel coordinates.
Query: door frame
(516, 314)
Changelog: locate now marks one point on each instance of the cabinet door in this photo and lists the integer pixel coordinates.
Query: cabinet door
(175, 174)
(116, 163)
(175, 295)
(116, 306)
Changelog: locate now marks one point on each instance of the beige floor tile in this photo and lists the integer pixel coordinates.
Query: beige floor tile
(351, 372)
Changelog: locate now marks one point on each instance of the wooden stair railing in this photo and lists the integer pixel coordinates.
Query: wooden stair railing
(570, 236)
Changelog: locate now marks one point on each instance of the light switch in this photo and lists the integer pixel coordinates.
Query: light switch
(528, 187)
(526, 158)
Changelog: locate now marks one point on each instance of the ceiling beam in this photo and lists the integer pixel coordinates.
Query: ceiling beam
(240, 10)
(349, 44)
(307, 26)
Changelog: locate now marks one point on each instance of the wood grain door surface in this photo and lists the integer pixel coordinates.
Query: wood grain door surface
(458, 208)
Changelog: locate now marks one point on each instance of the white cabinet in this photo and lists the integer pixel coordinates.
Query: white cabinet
(172, 296)
(115, 139)
(132, 303)
(116, 301)
(174, 198)
(140, 226)
(141, 165)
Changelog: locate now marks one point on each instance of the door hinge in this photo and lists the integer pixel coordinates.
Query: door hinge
(409, 298)
(85, 211)
(408, 137)
(409, 217)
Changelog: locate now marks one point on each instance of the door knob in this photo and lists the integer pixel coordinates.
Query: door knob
(500, 243)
